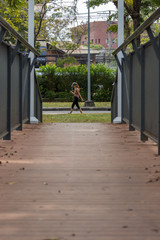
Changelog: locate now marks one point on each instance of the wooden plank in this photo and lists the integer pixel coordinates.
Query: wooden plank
(79, 181)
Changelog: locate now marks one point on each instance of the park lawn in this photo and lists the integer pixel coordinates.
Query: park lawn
(77, 118)
(68, 104)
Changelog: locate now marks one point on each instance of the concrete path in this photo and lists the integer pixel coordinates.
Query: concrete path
(79, 181)
(74, 112)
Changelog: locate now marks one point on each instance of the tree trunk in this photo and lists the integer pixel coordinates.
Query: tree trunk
(136, 18)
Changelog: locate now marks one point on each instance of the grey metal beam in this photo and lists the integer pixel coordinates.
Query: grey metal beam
(2, 32)
(125, 85)
(15, 52)
(25, 59)
(118, 62)
(139, 30)
(153, 41)
(126, 58)
(33, 63)
(136, 51)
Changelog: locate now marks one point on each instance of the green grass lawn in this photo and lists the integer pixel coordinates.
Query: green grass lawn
(77, 118)
(68, 104)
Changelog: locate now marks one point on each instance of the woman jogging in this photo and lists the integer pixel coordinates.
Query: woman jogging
(76, 94)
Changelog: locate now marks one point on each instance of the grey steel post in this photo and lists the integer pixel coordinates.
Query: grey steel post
(89, 58)
(118, 119)
(8, 136)
(31, 42)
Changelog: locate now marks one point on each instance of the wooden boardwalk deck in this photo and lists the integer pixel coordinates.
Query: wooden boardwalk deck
(79, 181)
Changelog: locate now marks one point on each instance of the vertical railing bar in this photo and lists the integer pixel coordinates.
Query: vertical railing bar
(112, 111)
(41, 111)
(8, 136)
(20, 93)
(36, 101)
(29, 85)
(131, 128)
(143, 137)
(122, 89)
(116, 99)
(125, 83)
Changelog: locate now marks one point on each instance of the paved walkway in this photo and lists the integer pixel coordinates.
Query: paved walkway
(74, 112)
(79, 181)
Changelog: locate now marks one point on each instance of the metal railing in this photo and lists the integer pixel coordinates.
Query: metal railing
(114, 101)
(141, 83)
(15, 70)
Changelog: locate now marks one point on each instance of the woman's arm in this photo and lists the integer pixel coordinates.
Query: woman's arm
(72, 92)
(79, 95)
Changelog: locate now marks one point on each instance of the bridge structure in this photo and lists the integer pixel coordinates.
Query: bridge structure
(80, 180)
(140, 70)
(15, 88)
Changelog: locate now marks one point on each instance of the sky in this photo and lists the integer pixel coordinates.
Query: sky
(82, 7)
(97, 13)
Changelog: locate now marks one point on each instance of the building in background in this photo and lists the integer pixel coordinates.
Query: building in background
(99, 35)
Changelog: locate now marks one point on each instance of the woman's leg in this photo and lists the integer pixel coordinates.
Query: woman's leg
(77, 104)
(80, 110)
(73, 104)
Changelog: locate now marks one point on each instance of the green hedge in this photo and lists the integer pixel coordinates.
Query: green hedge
(55, 82)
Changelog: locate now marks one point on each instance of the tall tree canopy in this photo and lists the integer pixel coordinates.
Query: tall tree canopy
(137, 10)
(14, 3)
(52, 19)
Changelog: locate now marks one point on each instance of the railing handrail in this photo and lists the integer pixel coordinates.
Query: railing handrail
(8, 27)
(139, 30)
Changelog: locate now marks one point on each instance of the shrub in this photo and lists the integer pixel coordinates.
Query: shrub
(55, 82)
(102, 95)
(50, 95)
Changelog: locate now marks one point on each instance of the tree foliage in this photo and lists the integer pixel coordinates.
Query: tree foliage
(14, 3)
(51, 18)
(136, 10)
